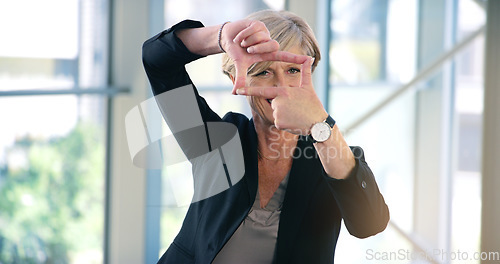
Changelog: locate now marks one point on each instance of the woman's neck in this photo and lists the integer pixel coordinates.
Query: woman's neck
(274, 144)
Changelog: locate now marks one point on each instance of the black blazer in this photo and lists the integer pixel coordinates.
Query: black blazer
(314, 203)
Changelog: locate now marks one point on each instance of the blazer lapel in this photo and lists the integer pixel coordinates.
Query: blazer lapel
(250, 179)
(251, 162)
(305, 173)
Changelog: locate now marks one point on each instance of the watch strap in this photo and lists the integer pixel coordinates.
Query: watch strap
(330, 121)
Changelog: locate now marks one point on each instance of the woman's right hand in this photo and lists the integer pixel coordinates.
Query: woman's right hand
(247, 42)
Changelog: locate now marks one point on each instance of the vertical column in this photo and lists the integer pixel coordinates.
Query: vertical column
(129, 29)
(153, 177)
(490, 227)
(432, 181)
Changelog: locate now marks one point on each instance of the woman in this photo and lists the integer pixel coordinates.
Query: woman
(301, 178)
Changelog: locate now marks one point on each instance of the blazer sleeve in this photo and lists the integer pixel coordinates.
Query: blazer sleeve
(187, 113)
(164, 57)
(361, 204)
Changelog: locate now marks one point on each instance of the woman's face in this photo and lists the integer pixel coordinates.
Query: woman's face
(279, 74)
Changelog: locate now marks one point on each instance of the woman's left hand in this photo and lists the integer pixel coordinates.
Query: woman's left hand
(295, 109)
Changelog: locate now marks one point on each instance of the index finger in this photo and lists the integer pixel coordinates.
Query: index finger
(284, 56)
(306, 72)
(265, 92)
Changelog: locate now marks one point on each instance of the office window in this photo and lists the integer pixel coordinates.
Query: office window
(377, 47)
(52, 140)
(372, 53)
(468, 102)
(368, 39)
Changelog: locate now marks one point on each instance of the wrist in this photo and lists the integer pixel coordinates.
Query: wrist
(219, 37)
(201, 41)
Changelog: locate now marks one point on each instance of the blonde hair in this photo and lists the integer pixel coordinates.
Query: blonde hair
(288, 30)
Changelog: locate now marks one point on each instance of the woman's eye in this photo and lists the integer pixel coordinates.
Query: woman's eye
(262, 73)
(293, 70)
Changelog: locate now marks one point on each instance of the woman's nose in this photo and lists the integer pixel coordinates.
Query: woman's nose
(279, 80)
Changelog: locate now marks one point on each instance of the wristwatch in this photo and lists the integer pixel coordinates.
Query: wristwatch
(321, 131)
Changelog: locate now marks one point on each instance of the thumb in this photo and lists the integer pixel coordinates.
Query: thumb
(241, 76)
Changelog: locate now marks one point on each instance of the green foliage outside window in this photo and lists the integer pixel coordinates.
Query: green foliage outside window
(52, 204)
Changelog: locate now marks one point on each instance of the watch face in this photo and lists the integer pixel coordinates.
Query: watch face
(320, 131)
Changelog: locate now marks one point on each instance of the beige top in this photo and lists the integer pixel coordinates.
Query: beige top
(255, 239)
